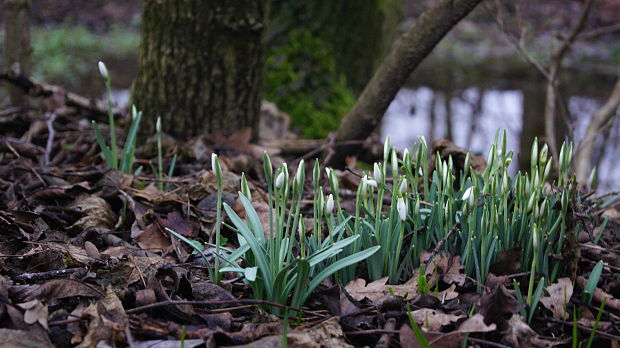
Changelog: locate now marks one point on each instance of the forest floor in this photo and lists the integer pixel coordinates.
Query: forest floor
(85, 258)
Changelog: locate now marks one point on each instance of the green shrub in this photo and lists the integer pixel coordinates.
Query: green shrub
(302, 80)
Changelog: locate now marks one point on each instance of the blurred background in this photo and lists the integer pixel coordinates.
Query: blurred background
(321, 55)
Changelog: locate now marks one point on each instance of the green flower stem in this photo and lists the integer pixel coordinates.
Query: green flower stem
(108, 85)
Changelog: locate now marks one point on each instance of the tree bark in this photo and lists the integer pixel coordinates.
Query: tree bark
(408, 52)
(602, 117)
(532, 119)
(17, 42)
(201, 65)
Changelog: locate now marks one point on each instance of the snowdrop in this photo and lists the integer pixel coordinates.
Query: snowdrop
(103, 70)
(329, 206)
(280, 180)
(377, 173)
(402, 208)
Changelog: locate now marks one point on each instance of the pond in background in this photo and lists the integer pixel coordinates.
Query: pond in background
(474, 116)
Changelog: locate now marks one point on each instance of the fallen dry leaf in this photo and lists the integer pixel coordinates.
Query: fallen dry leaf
(475, 324)
(374, 291)
(96, 212)
(36, 311)
(559, 295)
(107, 322)
(435, 339)
(498, 304)
(432, 319)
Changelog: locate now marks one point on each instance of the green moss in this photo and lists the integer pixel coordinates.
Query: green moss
(303, 81)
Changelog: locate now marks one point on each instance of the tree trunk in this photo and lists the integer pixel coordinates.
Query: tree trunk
(533, 119)
(408, 52)
(201, 65)
(17, 41)
(602, 117)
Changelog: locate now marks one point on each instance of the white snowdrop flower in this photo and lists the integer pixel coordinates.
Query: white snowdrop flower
(468, 195)
(329, 206)
(158, 125)
(300, 172)
(377, 173)
(544, 153)
(547, 168)
(403, 186)
(371, 182)
(328, 172)
(386, 148)
(402, 208)
(405, 154)
(364, 184)
(213, 161)
(535, 238)
(280, 180)
(103, 70)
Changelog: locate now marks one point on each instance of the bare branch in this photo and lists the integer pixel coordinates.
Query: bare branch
(602, 117)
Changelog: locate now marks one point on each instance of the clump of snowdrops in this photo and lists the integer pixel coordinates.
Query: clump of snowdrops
(474, 215)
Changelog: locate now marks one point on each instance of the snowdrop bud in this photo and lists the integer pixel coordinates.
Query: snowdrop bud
(508, 161)
(328, 172)
(245, 188)
(402, 208)
(468, 195)
(386, 148)
(543, 154)
(329, 206)
(158, 125)
(394, 163)
(422, 140)
(416, 207)
(548, 168)
(405, 155)
(364, 184)
(403, 186)
(444, 171)
(280, 180)
(534, 154)
(377, 173)
(134, 112)
(214, 161)
(530, 202)
(267, 168)
(535, 237)
(561, 156)
(103, 70)
(467, 162)
(371, 182)
(300, 227)
(299, 176)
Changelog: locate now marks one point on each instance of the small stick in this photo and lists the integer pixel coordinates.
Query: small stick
(48, 274)
(440, 244)
(50, 139)
(220, 302)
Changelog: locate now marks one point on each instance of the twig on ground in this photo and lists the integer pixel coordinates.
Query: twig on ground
(221, 302)
(441, 243)
(599, 295)
(48, 274)
(50, 138)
